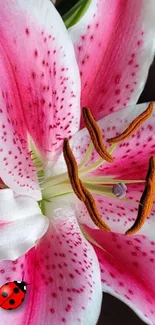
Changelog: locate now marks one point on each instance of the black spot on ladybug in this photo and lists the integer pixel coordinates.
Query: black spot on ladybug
(10, 309)
(16, 290)
(4, 294)
(11, 301)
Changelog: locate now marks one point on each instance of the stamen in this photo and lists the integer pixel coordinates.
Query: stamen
(87, 156)
(134, 125)
(146, 201)
(93, 166)
(82, 193)
(119, 190)
(92, 209)
(72, 170)
(96, 135)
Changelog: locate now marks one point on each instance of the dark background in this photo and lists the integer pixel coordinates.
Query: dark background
(114, 312)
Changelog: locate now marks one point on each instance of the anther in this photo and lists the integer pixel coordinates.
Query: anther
(146, 201)
(79, 189)
(92, 210)
(72, 170)
(134, 125)
(96, 135)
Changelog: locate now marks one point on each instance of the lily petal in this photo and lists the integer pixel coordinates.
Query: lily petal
(114, 44)
(40, 87)
(64, 274)
(119, 215)
(16, 168)
(131, 155)
(21, 224)
(126, 270)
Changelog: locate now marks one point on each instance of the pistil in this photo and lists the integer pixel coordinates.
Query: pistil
(119, 190)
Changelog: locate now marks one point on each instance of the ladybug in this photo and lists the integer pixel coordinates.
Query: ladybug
(12, 294)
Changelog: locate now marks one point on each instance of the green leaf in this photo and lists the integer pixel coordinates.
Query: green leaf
(76, 13)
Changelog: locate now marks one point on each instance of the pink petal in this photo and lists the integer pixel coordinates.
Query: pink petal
(131, 155)
(17, 169)
(64, 277)
(21, 224)
(119, 215)
(39, 87)
(114, 44)
(127, 270)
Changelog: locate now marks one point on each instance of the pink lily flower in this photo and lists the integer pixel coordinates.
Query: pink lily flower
(40, 92)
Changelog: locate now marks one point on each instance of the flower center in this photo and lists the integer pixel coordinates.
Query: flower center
(61, 184)
(79, 180)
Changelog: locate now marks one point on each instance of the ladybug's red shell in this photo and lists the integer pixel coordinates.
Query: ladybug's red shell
(12, 294)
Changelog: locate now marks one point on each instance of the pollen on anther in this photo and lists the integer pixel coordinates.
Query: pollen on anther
(96, 135)
(134, 125)
(146, 201)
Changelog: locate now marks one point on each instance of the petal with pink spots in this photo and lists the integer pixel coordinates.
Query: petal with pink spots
(114, 43)
(43, 91)
(131, 155)
(118, 214)
(16, 168)
(21, 224)
(127, 270)
(64, 276)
